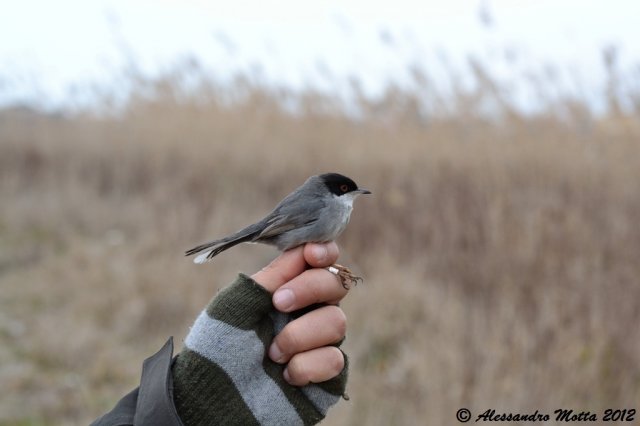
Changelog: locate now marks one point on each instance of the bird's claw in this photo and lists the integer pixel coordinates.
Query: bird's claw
(345, 276)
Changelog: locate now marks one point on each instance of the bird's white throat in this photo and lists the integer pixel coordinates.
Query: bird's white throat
(347, 199)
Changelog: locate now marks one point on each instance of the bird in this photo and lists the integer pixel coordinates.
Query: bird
(318, 211)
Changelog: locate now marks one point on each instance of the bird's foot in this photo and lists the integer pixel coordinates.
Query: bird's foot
(345, 276)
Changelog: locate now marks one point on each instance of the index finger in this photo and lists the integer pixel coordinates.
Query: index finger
(294, 262)
(283, 268)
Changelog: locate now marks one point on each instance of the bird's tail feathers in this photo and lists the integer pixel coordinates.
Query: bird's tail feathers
(207, 255)
(211, 249)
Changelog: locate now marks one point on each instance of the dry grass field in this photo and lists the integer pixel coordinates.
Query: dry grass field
(501, 257)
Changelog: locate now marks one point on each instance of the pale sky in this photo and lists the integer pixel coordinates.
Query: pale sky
(46, 47)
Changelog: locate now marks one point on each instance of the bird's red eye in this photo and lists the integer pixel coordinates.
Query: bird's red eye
(344, 188)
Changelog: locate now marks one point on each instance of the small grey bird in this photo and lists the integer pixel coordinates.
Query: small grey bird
(318, 211)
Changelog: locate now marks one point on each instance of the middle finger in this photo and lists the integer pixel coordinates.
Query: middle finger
(321, 327)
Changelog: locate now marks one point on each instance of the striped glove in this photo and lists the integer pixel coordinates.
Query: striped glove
(224, 376)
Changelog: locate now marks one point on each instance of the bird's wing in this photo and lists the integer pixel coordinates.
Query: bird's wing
(292, 216)
(281, 224)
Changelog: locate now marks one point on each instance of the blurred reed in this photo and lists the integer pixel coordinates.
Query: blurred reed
(500, 248)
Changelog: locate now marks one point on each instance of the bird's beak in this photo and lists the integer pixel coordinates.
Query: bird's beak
(363, 191)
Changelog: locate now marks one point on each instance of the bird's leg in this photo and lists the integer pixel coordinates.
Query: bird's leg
(345, 276)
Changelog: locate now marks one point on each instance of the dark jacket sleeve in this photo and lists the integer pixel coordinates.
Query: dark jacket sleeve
(152, 402)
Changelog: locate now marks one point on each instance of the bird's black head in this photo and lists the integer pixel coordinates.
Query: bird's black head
(339, 184)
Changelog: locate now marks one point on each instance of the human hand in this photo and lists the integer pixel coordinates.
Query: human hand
(245, 362)
(306, 344)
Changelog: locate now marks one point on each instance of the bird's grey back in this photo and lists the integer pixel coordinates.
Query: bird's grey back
(302, 216)
(309, 214)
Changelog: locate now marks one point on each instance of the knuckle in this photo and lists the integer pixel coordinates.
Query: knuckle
(316, 287)
(288, 339)
(326, 281)
(298, 370)
(334, 251)
(335, 361)
(338, 321)
(319, 285)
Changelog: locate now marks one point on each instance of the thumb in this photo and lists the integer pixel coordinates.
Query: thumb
(282, 269)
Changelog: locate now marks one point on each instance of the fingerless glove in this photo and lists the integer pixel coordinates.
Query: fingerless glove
(224, 375)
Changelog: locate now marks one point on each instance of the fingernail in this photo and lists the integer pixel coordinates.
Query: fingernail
(319, 251)
(286, 375)
(275, 353)
(283, 299)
